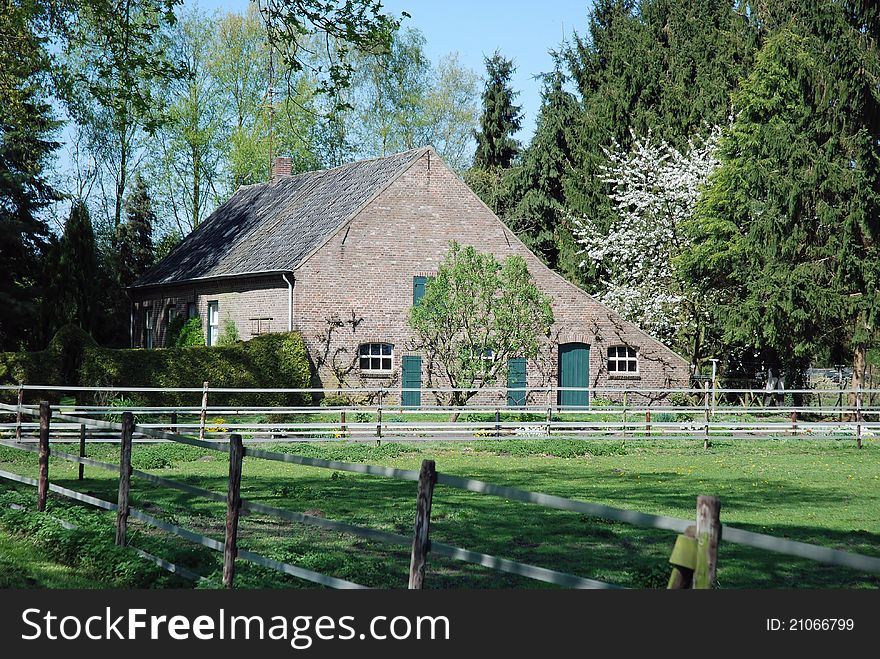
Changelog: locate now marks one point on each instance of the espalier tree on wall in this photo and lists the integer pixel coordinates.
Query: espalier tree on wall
(475, 315)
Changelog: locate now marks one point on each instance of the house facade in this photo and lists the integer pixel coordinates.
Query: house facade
(341, 255)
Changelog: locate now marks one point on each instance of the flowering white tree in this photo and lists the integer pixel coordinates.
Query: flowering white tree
(655, 188)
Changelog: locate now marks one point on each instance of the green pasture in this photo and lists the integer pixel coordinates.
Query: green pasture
(821, 492)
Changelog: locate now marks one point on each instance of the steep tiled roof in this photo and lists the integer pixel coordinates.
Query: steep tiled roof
(271, 227)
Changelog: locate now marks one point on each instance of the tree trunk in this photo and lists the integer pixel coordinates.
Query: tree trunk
(860, 365)
(197, 170)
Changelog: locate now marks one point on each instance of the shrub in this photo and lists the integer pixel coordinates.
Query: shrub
(191, 334)
(267, 361)
(230, 334)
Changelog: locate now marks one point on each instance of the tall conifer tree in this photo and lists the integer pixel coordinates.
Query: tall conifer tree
(501, 119)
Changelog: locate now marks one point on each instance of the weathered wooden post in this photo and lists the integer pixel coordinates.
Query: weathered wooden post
(706, 426)
(794, 418)
(625, 403)
(124, 478)
(233, 507)
(82, 447)
(342, 422)
(497, 422)
(859, 416)
(204, 413)
(173, 428)
(549, 409)
(379, 420)
(43, 484)
(708, 536)
(421, 541)
(648, 422)
(18, 413)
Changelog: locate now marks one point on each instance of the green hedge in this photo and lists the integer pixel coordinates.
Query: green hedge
(268, 361)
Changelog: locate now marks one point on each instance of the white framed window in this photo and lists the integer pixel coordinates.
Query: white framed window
(376, 357)
(148, 328)
(213, 323)
(623, 359)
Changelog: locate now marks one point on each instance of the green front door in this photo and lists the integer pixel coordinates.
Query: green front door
(516, 382)
(412, 379)
(574, 371)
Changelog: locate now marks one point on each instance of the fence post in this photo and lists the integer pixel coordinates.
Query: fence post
(233, 506)
(648, 422)
(173, 428)
(794, 418)
(379, 420)
(342, 422)
(497, 422)
(18, 414)
(708, 536)
(82, 447)
(625, 403)
(43, 485)
(421, 542)
(204, 412)
(859, 416)
(706, 426)
(549, 409)
(124, 478)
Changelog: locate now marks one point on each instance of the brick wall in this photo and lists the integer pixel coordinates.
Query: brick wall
(255, 304)
(365, 273)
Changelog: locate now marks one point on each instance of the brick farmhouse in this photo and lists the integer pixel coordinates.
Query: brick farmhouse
(340, 255)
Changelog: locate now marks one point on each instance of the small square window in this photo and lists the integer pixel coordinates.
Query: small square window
(622, 359)
(376, 357)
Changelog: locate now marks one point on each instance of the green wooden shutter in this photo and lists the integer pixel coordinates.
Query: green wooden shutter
(516, 382)
(574, 371)
(418, 288)
(412, 379)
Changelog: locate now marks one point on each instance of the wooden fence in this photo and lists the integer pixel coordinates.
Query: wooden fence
(693, 559)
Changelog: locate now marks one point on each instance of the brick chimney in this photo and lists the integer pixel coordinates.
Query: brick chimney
(281, 166)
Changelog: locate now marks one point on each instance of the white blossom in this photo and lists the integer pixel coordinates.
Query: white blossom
(655, 188)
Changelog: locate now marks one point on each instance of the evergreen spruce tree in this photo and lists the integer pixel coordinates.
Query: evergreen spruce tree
(77, 284)
(27, 126)
(789, 229)
(134, 239)
(539, 216)
(501, 119)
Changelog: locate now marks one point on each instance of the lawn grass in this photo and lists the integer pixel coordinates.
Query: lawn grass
(24, 565)
(822, 492)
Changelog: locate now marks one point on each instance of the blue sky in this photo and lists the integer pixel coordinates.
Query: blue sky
(521, 30)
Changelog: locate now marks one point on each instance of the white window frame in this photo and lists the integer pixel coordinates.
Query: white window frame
(213, 330)
(374, 352)
(622, 355)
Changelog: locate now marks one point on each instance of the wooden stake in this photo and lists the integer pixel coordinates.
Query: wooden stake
(706, 427)
(708, 536)
(18, 414)
(173, 428)
(421, 540)
(204, 413)
(233, 506)
(124, 478)
(859, 416)
(82, 447)
(43, 485)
